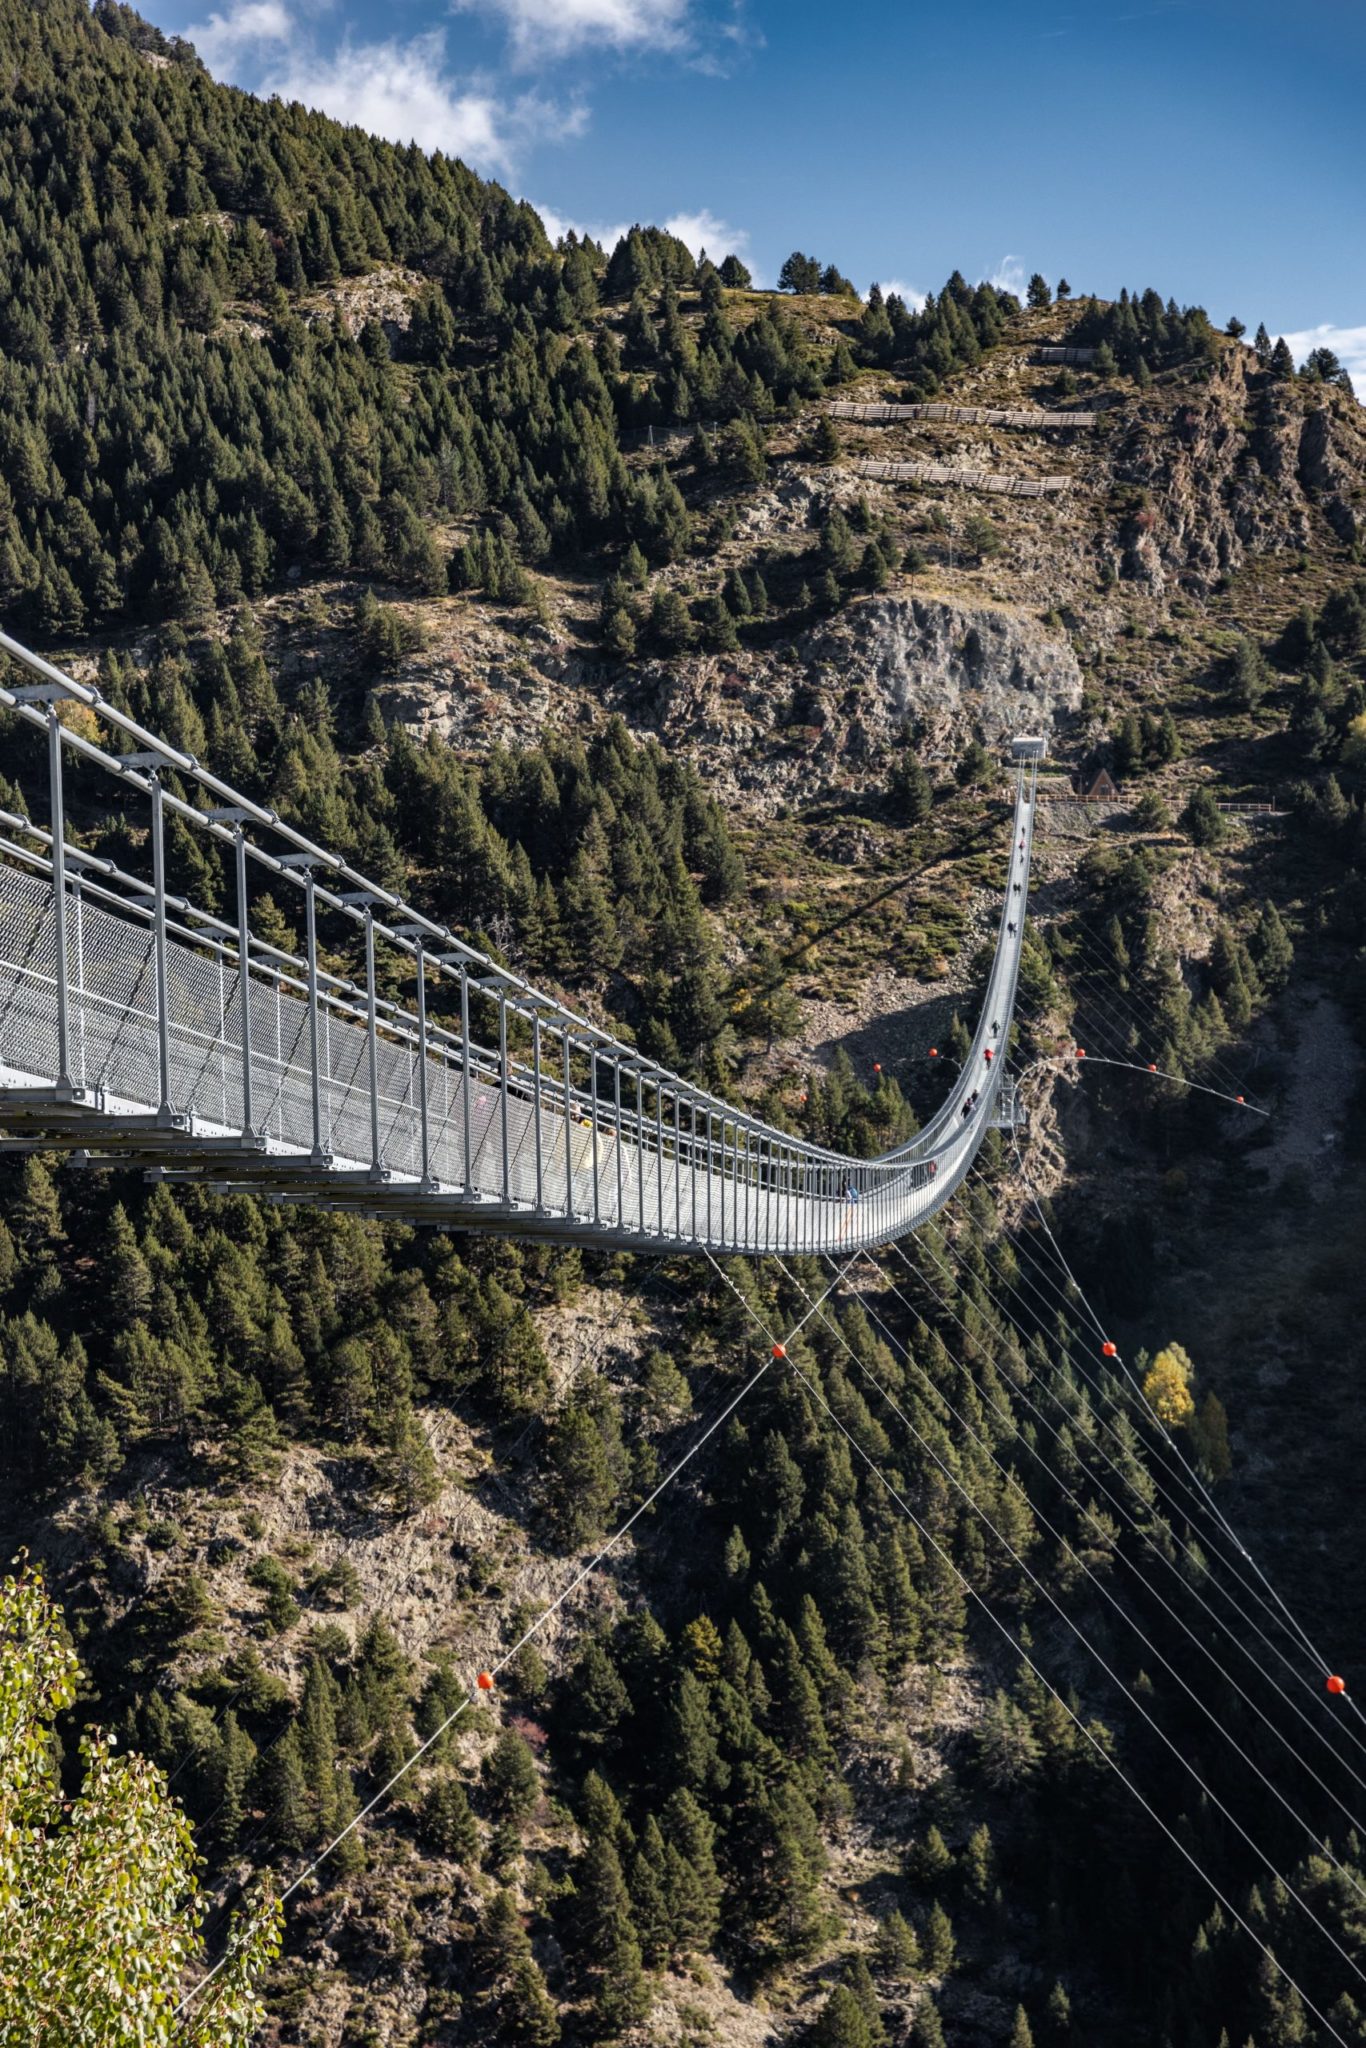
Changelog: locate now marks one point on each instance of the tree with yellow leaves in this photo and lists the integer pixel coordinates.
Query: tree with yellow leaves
(99, 1900)
(1167, 1386)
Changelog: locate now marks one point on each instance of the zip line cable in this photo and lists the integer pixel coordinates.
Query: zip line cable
(584, 1572)
(272, 1745)
(1300, 1632)
(1137, 992)
(1289, 1619)
(927, 1535)
(1085, 1641)
(1174, 1479)
(1090, 1514)
(1196, 1560)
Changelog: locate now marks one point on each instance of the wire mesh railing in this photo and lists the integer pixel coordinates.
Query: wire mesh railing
(135, 1024)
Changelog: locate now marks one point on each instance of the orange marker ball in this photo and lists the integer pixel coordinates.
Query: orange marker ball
(1108, 1350)
(1081, 1052)
(780, 1351)
(485, 1681)
(1336, 1684)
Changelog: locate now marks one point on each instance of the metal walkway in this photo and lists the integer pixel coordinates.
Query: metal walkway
(136, 1027)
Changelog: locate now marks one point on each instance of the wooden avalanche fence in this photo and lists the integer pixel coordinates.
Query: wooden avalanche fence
(969, 479)
(1064, 355)
(961, 415)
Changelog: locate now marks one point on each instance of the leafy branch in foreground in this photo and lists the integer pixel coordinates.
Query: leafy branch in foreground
(100, 1907)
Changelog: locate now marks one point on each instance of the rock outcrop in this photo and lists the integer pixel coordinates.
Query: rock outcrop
(820, 715)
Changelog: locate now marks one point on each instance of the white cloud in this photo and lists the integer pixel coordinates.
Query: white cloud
(559, 224)
(1009, 276)
(403, 90)
(544, 29)
(702, 230)
(1347, 342)
(224, 38)
(911, 297)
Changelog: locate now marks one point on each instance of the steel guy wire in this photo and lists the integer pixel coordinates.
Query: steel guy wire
(1026, 1659)
(1085, 1641)
(1197, 1560)
(1088, 1513)
(1291, 1619)
(1165, 1488)
(1137, 991)
(584, 1572)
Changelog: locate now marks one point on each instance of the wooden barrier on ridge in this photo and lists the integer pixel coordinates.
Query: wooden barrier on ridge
(961, 415)
(970, 479)
(1051, 354)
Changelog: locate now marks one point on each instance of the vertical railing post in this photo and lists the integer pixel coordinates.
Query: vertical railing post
(621, 1162)
(503, 1090)
(536, 1087)
(659, 1154)
(159, 945)
(78, 911)
(58, 815)
(709, 1174)
(372, 1044)
(311, 940)
(678, 1169)
(640, 1150)
(745, 1225)
(422, 1106)
(568, 1132)
(593, 1127)
(239, 848)
(468, 1079)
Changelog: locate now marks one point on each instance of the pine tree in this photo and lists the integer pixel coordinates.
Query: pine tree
(511, 1781)
(1058, 2031)
(977, 1866)
(284, 1792)
(607, 1940)
(896, 1948)
(317, 1734)
(237, 1759)
(927, 2030)
(694, 1886)
(842, 2023)
(407, 1470)
(938, 1946)
(447, 1822)
(650, 1903)
(1021, 2035)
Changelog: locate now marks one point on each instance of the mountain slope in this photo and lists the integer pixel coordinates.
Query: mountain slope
(323, 458)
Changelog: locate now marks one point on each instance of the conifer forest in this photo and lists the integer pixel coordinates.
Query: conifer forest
(967, 1685)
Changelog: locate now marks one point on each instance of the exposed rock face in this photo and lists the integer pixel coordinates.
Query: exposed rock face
(948, 668)
(825, 715)
(1242, 468)
(819, 716)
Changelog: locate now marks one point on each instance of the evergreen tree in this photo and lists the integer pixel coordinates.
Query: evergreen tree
(938, 1946)
(842, 2023)
(607, 1940)
(447, 1822)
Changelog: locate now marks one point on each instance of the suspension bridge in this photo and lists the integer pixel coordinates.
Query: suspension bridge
(437, 1087)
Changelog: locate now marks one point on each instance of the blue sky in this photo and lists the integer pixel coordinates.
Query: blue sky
(1212, 148)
